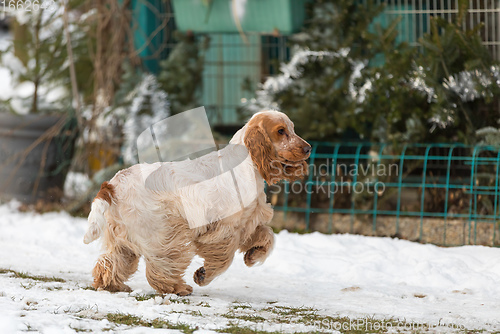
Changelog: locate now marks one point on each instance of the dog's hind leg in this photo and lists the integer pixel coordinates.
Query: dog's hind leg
(218, 257)
(165, 277)
(258, 247)
(164, 271)
(167, 257)
(113, 269)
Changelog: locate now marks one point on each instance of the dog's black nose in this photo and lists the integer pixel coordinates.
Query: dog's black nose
(307, 149)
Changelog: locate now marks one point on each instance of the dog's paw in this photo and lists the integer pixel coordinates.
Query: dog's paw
(254, 255)
(199, 276)
(183, 289)
(125, 288)
(112, 288)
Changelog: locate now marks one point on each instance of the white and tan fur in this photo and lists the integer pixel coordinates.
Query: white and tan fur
(148, 209)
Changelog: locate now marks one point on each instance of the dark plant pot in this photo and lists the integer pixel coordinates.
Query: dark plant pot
(33, 167)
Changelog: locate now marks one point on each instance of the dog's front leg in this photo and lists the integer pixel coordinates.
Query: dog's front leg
(218, 257)
(258, 247)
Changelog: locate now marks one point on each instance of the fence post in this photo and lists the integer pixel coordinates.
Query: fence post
(355, 178)
(448, 169)
(472, 191)
(309, 185)
(375, 199)
(422, 199)
(332, 198)
(495, 214)
(400, 182)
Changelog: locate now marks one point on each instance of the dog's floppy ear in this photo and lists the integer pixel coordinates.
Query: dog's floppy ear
(297, 172)
(262, 152)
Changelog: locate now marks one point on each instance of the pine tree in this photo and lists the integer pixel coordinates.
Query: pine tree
(37, 57)
(181, 73)
(319, 97)
(351, 78)
(421, 93)
(457, 63)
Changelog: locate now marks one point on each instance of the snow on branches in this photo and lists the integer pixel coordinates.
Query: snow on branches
(149, 105)
(472, 85)
(289, 71)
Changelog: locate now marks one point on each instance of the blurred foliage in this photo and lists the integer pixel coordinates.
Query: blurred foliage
(181, 73)
(449, 50)
(317, 100)
(38, 55)
(410, 96)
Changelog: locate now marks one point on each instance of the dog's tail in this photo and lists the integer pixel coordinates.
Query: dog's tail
(97, 221)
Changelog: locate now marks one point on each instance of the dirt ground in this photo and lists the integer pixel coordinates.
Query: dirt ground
(453, 232)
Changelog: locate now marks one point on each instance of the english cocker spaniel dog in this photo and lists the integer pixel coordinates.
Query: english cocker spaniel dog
(185, 208)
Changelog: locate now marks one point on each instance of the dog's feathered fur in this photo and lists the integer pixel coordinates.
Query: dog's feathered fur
(152, 218)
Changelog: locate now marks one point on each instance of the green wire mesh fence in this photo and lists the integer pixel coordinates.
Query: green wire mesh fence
(446, 194)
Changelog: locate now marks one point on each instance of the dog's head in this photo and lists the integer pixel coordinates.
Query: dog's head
(276, 150)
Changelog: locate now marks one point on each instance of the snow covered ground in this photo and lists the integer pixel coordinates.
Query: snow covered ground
(310, 283)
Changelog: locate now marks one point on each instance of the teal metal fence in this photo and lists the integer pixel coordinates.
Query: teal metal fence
(446, 194)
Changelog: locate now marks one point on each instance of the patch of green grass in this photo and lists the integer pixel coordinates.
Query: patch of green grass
(240, 306)
(286, 314)
(473, 331)
(235, 329)
(141, 298)
(203, 304)
(246, 317)
(39, 278)
(127, 319)
(29, 328)
(287, 310)
(27, 286)
(180, 300)
(24, 275)
(194, 313)
(283, 315)
(80, 330)
(310, 317)
(131, 320)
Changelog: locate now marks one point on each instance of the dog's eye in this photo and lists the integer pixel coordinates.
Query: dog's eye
(281, 131)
